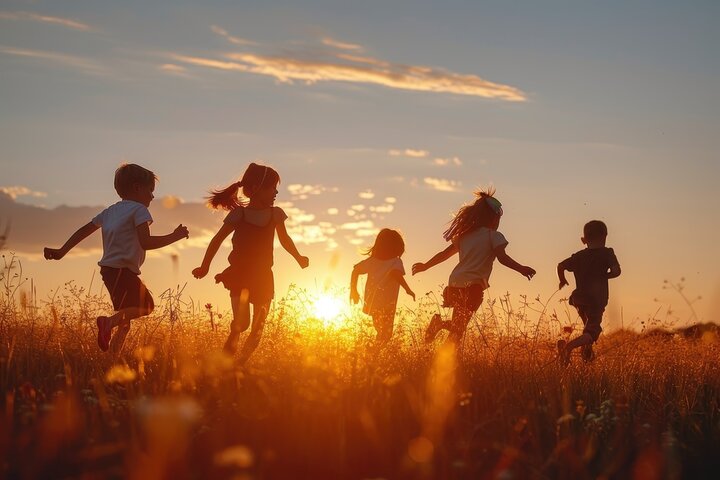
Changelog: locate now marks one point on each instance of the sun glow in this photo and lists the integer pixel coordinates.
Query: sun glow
(330, 309)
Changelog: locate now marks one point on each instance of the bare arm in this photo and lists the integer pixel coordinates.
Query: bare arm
(437, 258)
(508, 261)
(288, 244)
(561, 274)
(212, 249)
(354, 294)
(150, 242)
(401, 280)
(81, 234)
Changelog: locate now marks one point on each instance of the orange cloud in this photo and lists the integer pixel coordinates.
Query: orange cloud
(287, 69)
(20, 191)
(35, 17)
(409, 152)
(442, 162)
(235, 40)
(78, 63)
(341, 45)
(442, 184)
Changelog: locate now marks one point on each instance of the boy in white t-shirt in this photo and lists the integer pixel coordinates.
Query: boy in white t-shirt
(126, 236)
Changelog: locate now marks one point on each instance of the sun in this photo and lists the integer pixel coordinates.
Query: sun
(330, 309)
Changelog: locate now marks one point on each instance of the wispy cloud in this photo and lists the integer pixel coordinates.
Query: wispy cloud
(409, 152)
(78, 63)
(173, 69)
(21, 191)
(441, 184)
(312, 68)
(35, 17)
(230, 38)
(331, 42)
(443, 162)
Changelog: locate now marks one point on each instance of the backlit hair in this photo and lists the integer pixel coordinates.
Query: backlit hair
(255, 177)
(388, 244)
(485, 211)
(129, 174)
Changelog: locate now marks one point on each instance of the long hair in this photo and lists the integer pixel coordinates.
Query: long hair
(388, 244)
(485, 211)
(255, 177)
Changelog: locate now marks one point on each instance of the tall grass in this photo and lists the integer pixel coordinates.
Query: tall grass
(321, 402)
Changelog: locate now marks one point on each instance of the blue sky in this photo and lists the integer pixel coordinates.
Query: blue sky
(573, 110)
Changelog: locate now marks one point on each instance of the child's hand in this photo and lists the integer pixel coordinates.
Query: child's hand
(418, 267)
(527, 272)
(303, 261)
(563, 282)
(354, 296)
(181, 232)
(200, 272)
(53, 253)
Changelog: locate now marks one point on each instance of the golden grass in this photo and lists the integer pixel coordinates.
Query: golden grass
(319, 402)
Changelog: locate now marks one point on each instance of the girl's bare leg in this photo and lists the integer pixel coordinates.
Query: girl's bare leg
(241, 321)
(260, 313)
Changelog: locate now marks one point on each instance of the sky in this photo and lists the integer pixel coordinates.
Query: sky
(376, 114)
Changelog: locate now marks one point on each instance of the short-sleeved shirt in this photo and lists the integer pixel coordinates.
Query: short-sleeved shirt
(590, 267)
(477, 254)
(381, 288)
(121, 245)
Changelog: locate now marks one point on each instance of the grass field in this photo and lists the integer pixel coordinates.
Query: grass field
(317, 401)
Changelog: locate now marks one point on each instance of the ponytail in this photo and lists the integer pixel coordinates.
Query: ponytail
(255, 177)
(226, 198)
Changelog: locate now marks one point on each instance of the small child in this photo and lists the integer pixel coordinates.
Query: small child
(385, 276)
(249, 277)
(592, 266)
(126, 236)
(473, 234)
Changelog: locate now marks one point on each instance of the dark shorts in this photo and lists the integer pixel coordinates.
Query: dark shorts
(468, 298)
(591, 317)
(259, 283)
(126, 289)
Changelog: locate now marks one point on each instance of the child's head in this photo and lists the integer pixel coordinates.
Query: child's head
(133, 182)
(594, 233)
(388, 244)
(484, 212)
(258, 180)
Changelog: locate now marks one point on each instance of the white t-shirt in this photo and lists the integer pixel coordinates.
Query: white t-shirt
(477, 254)
(121, 247)
(381, 289)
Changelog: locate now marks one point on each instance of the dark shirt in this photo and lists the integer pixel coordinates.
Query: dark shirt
(590, 267)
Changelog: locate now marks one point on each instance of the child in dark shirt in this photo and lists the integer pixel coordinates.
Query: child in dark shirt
(592, 266)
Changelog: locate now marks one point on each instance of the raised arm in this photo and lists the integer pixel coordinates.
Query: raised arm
(437, 258)
(508, 261)
(212, 249)
(288, 244)
(150, 242)
(81, 234)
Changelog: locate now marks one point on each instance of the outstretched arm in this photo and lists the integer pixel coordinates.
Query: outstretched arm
(508, 261)
(81, 234)
(212, 249)
(288, 244)
(149, 242)
(437, 258)
(401, 280)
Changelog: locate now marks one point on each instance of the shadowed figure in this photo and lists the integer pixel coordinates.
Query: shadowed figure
(473, 235)
(385, 275)
(249, 276)
(4, 235)
(126, 236)
(592, 267)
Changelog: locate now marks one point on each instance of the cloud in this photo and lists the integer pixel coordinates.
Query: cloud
(442, 162)
(409, 152)
(441, 184)
(366, 195)
(313, 68)
(78, 63)
(234, 40)
(35, 17)
(20, 191)
(341, 45)
(173, 69)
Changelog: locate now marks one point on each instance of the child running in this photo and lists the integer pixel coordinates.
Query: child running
(126, 236)
(249, 276)
(385, 276)
(473, 234)
(592, 266)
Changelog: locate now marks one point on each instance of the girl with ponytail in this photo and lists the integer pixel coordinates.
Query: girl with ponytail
(253, 223)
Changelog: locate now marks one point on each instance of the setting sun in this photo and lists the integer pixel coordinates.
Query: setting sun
(330, 309)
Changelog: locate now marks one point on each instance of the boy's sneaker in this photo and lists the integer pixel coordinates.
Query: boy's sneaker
(433, 328)
(104, 333)
(587, 353)
(563, 353)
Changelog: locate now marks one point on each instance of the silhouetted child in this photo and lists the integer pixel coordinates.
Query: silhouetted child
(473, 234)
(249, 276)
(385, 275)
(126, 236)
(592, 266)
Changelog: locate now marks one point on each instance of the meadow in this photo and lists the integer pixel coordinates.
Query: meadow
(317, 400)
